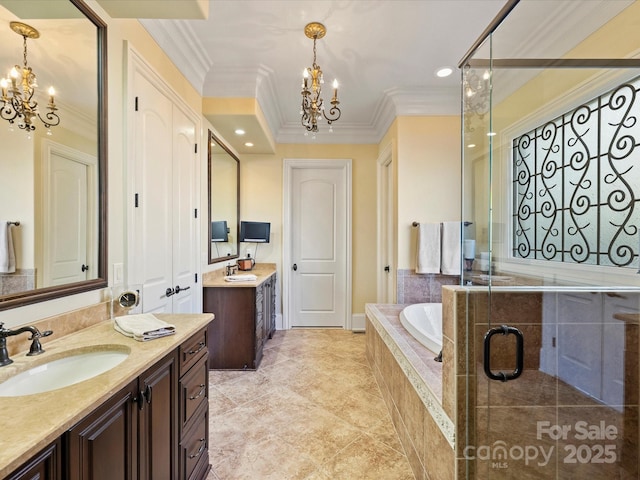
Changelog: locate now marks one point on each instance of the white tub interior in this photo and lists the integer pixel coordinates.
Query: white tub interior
(424, 322)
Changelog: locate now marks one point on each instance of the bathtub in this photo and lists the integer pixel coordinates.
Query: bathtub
(424, 322)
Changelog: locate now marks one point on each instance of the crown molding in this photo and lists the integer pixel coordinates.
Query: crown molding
(188, 54)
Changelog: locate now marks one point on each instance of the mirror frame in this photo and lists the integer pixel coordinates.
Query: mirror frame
(211, 138)
(101, 281)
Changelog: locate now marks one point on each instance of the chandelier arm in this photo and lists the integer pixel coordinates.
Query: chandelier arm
(334, 114)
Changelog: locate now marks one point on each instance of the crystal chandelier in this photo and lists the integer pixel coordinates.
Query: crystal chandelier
(312, 103)
(19, 87)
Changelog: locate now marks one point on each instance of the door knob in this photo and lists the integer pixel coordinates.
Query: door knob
(295, 267)
(85, 267)
(387, 269)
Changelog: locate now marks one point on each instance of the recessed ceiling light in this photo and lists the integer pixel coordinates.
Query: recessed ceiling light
(471, 145)
(444, 72)
(239, 131)
(248, 144)
(491, 134)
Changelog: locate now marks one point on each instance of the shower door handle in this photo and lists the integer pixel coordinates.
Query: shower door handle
(502, 376)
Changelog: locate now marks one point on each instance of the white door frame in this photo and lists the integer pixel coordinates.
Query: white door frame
(386, 238)
(289, 165)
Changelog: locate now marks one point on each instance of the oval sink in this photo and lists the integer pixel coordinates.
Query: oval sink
(65, 371)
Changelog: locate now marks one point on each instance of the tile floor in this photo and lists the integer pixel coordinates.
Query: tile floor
(312, 411)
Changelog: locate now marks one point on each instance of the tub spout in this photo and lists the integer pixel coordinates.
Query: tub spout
(439, 357)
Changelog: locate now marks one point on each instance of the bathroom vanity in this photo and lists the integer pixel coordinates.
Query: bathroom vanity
(146, 418)
(245, 317)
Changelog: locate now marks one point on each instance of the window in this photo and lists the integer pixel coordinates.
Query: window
(576, 184)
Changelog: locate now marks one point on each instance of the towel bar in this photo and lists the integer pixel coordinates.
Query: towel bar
(14, 223)
(417, 224)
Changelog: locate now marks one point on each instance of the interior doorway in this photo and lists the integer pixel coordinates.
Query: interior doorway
(317, 243)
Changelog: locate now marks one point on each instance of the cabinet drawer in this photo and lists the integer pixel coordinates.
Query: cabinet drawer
(194, 447)
(194, 391)
(192, 350)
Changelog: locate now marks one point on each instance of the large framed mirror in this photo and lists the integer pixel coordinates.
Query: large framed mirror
(53, 182)
(224, 201)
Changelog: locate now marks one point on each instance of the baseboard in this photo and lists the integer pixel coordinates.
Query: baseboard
(358, 322)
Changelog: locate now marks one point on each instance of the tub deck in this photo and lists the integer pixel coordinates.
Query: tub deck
(417, 362)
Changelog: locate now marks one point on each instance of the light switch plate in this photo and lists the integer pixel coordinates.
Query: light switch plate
(118, 273)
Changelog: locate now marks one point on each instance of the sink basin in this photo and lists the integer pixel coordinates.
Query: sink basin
(62, 372)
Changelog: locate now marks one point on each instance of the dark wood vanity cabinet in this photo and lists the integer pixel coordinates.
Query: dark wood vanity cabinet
(46, 465)
(134, 434)
(155, 428)
(245, 319)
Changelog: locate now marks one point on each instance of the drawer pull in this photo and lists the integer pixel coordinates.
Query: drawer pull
(200, 393)
(201, 345)
(202, 448)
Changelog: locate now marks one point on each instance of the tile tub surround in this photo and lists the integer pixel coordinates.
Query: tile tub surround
(37, 420)
(414, 287)
(313, 411)
(412, 386)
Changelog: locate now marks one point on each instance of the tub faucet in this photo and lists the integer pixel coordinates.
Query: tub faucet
(36, 346)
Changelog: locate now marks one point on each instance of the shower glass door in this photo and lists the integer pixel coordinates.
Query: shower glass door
(550, 330)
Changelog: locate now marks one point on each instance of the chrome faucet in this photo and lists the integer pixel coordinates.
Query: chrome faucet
(231, 269)
(36, 346)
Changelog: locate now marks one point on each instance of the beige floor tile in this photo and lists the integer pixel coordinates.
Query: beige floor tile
(312, 411)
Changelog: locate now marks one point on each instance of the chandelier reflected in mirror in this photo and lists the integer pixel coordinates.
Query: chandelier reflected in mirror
(19, 88)
(312, 103)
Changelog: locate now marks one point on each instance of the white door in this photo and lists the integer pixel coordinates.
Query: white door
(320, 236)
(153, 260)
(184, 221)
(68, 198)
(386, 230)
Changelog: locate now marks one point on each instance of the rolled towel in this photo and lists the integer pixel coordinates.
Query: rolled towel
(143, 327)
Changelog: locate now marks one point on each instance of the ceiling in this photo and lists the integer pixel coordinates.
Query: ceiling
(383, 53)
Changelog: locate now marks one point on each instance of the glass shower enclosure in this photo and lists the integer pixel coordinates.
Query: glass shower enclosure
(548, 340)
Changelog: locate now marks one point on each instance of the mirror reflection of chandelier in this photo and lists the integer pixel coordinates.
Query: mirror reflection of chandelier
(312, 103)
(17, 104)
(475, 94)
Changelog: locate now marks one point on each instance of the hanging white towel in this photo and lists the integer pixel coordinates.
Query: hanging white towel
(451, 248)
(428, 260)
(7, 253)
(143, 327)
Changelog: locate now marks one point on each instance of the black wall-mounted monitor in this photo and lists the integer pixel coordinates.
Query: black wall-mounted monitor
(219, 231)
(255, 232)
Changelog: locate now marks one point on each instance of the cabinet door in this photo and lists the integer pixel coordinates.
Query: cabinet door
(158, 437)
(103, 445)
(44, 466)
(232, 333)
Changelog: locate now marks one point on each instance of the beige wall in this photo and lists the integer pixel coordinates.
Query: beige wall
(428, 177)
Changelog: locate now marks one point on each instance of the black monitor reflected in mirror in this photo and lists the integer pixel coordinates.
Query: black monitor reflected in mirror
(255, 232)
(219, 231)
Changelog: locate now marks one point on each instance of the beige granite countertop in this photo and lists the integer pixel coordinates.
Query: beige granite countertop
(260, 270)
(30, 423)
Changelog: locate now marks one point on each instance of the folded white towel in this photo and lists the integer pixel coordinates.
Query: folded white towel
(242, 277)
(143, 327)
(451, 248)
(428, 260)
(7, 252)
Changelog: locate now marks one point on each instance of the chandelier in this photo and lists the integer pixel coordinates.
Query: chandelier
(476, 95)
(19, 87)
(312, 103)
